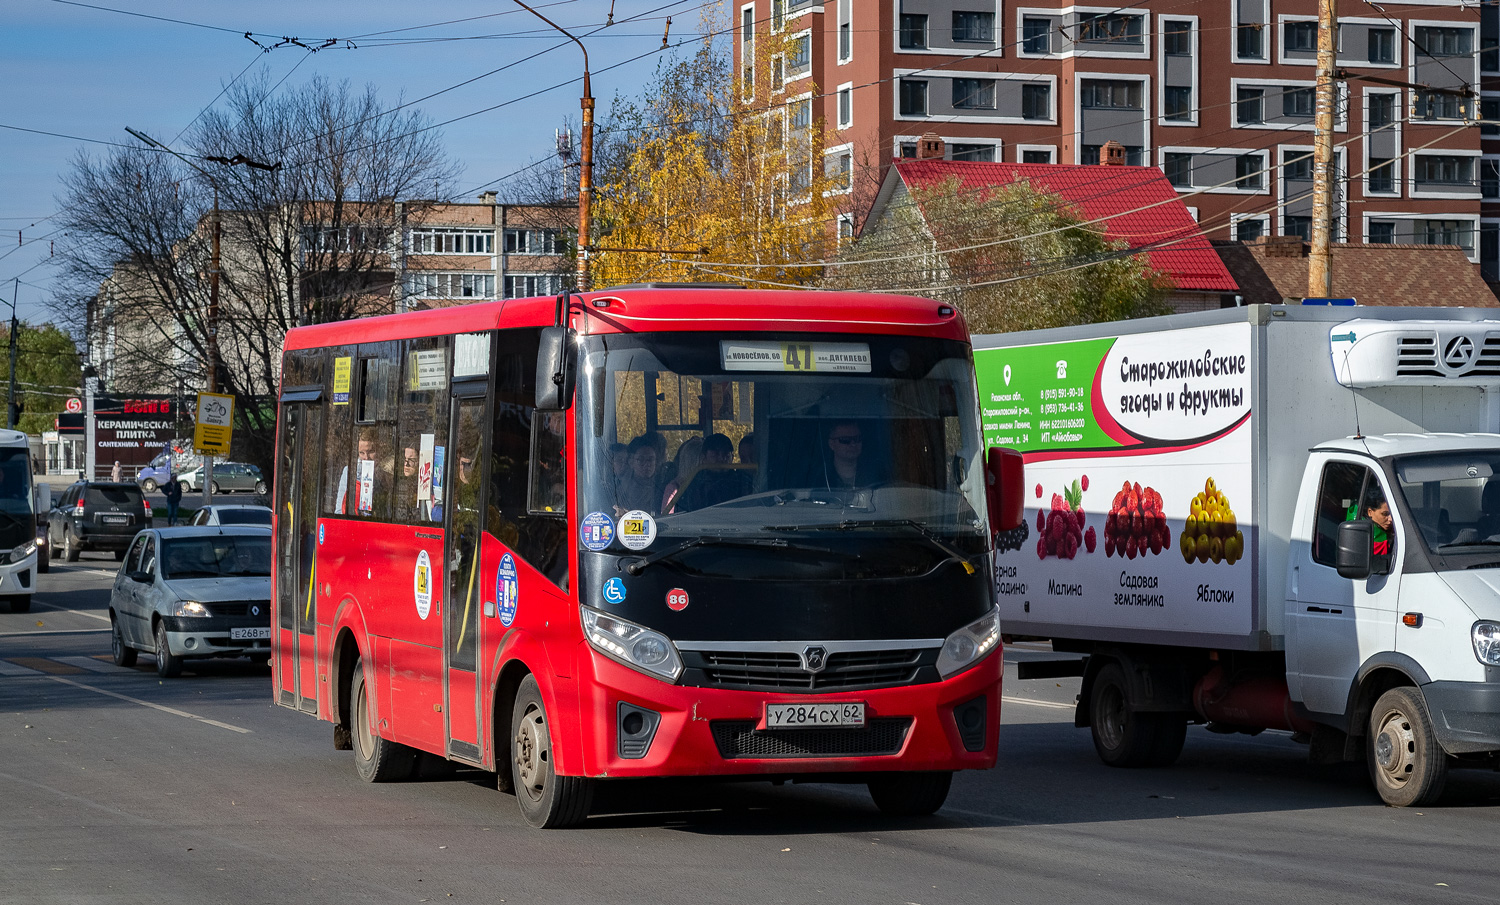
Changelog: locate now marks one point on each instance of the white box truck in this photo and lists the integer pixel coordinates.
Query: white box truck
(1264, 517)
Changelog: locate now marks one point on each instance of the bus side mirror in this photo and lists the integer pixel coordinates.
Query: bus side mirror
(1004, 488)
(556, 369)
(1353, 555)
(43, 497)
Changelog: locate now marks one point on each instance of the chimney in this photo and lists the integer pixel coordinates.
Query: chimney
(1112, 154)
(487, 198)
(1283, 247)
(930, 147)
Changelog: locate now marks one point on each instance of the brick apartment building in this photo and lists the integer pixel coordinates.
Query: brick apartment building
(1219, 95)
(459, 253)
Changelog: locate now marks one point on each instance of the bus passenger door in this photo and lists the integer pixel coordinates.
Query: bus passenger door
(296, 544)
(463, 521)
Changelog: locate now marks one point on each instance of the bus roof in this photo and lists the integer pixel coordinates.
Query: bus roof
(635, 310)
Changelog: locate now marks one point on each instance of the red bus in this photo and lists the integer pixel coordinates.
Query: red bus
(647, 531)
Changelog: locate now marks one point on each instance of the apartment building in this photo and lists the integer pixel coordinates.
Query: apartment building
(1219, 95)
(459, 253)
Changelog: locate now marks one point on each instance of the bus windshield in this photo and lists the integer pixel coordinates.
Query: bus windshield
(742, 437)
(15, 483)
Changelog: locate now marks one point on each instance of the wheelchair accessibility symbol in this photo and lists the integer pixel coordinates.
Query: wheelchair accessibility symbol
(614, 591)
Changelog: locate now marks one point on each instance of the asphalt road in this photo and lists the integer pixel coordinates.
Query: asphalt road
(118, 787)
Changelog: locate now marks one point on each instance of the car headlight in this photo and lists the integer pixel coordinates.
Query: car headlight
(1486, 638)
(633, 645)
(969, 644)
(189, 608)
(21, 552)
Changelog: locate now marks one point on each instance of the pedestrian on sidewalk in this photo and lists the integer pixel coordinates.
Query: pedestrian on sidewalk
(114, 473)
(174, 496)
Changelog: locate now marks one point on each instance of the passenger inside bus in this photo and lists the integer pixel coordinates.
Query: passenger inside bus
(684, 467)
(637, 489)
(717, 480)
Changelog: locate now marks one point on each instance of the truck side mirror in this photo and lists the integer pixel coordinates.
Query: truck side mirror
(556, 369)
(1004, 488)
(1353, 557)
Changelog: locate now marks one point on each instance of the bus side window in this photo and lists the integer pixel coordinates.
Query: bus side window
(372, 483)
(538, 539)
(338, 434)
(421, 429)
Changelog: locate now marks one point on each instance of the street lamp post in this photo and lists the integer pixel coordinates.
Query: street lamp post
(15, 336)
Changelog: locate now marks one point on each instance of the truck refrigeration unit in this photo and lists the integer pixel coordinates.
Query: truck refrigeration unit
(1264, 517)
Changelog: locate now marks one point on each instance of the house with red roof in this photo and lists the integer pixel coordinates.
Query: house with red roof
(1131, 204)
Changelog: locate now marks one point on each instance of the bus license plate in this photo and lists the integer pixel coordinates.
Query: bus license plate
(250, 634)
(849, 714)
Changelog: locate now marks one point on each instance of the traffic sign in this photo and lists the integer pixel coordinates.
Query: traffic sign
(215, 424)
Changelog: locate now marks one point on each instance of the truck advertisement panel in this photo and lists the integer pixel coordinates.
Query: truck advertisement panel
(1138, 467)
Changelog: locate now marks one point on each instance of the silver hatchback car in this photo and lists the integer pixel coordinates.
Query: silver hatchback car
(187, 593)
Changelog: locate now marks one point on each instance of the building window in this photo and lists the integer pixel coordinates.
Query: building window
(747, 49)
(1178, 103)
(1249, 229)
(846, 107)
(913, 31)
(1300, 37)
(1036, 35)
(838, 168)
(1444, 42)
(1036, 156)
(1382, 111)
(969, 26)
(1382, 232)
(800, 62)
(1298, 226)
(1250, 42)
(846, 42)
(974, 94)
(1382, 45)
(1036, 101)
(1432, 105)
(846, 228)
(1179, 169)
(1489, 178)
(1489, 116)
(1177, 38)
(1447, 232)
(913, 97)
(778, 14)
(1135, 155)
(1104, 93)
(981, 153)
(1382, 175)
(907, 150)
(1298, 101)
(1250, 106)
(525, 285)
(1298, 167)
(450, 285)
(1249, 171)
(1109, 28)
(1489, 251)
(1435, 169)
(452, 241)
(531, 242)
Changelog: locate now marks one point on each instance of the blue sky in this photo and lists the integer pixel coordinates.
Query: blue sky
(81, 70)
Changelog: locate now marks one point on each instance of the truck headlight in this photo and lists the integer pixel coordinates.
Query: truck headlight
(1486, 638)
(969, 644)
(633, 645)
(189, 608)
(21, 551)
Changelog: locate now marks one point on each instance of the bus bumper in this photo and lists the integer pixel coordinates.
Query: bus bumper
(18, 578)
(639, 726)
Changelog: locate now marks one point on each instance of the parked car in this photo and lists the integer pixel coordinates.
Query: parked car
(228, 476)
(233, 514)
(96, 515)
(190, 593)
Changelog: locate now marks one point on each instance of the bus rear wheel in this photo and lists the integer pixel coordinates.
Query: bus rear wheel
(375, 759)
(910, 794)
(547, 800)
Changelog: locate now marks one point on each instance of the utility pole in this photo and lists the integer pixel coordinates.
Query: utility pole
(213, 303)
(1320, 261)
(15, 335)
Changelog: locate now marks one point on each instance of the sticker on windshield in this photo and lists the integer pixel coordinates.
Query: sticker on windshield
(677, 600)
(614, 590)
(740, 355)
(422, 584)
(637, 529)
(507, 589)
(597, 531)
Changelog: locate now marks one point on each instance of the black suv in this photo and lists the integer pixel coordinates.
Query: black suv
(96, 515)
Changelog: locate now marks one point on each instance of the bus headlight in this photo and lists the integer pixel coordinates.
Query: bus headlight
(1486, 638)
(189, 608)
(21, 552)
(633, 645)
(969, 644)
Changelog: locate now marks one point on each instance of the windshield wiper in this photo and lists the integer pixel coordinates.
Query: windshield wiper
(1468, 543)
(954, 554)
(638, 566)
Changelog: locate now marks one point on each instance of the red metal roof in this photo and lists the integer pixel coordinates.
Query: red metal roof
(1128, 201)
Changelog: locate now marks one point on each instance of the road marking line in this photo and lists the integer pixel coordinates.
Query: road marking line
(1035, 703)
(163, 708)
(91, 664)
(61, 631)
(63, 609)
(42, 664)
(8, 669)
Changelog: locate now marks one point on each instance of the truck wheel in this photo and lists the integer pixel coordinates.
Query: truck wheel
(547, 801)
(375, 759)
(148, 485)
(122, 653)
(910, 794)
(70, 547)
(1124, 737)
(1407, 765)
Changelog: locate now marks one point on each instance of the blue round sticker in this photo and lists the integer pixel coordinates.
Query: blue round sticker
(320, 535)
(596, 531)
(507, 590)
(614, 590)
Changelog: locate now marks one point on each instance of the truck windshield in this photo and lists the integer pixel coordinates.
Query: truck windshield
(1454, 498)
(724, 436)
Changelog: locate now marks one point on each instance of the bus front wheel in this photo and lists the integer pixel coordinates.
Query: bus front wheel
(910, 794)
(547, 800)
(375, 759)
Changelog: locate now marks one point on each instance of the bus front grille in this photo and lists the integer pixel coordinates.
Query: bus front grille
(783, 670)
(740, 738)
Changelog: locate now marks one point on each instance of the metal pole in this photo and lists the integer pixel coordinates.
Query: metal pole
(15, 333)
(213, 303)
(1320, 261)
(89, 383)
